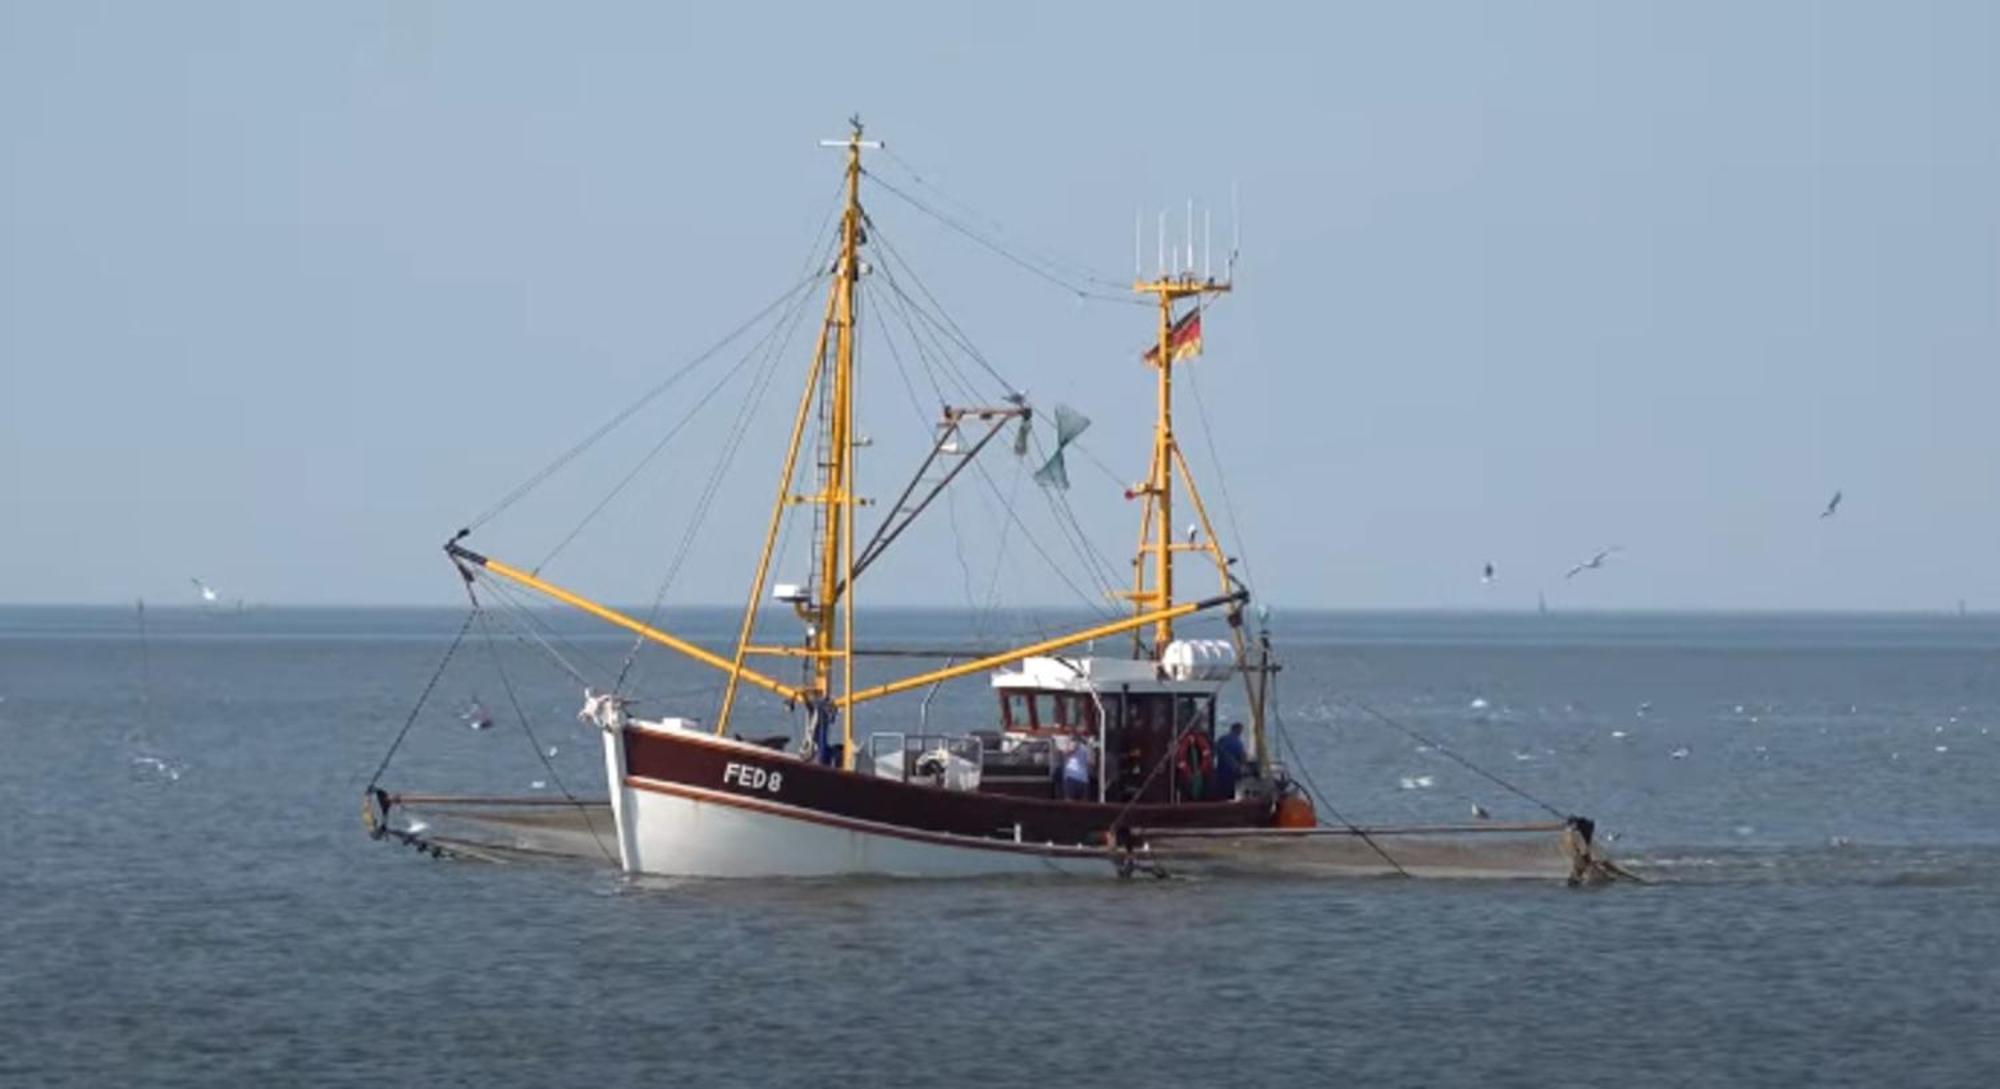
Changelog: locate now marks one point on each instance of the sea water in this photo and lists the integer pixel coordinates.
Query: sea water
(187, 896)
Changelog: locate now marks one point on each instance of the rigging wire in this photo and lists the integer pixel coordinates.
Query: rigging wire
(983, 624)
(1081, 270)
(904, 306)
(527, 730)
(1091, 455)
(775, 347)
(1237, 540)
(907, 310)
(704, 504)
(1312, 788)
(941, 314)
(534, 630)
(1003, 252)
(1095, 605)
(1447, 752)
(666, 438)
(622, 415)
(964, 568)
(1092, 557)
(981, 615)
(422, 698)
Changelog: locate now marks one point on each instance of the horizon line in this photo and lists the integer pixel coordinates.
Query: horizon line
(736, 607)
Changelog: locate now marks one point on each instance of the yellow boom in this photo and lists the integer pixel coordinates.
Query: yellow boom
(549, 589)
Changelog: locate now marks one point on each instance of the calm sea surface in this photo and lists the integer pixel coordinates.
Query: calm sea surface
(187, 896)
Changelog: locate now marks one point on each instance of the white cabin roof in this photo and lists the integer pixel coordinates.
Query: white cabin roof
(1101, 675)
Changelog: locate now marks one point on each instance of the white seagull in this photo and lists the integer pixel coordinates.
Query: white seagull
(1594, 562)
(476, 715)
(1831, 506)
(208, 594)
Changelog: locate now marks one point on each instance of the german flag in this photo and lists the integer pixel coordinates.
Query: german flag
(1183, 339)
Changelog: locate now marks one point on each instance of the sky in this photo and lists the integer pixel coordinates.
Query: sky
(289, 293)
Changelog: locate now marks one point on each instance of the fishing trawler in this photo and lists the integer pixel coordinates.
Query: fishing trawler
(1090, 763)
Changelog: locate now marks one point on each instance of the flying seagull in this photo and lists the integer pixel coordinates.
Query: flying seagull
(1831, 506)
(207, 594)
(1594, 562)
(1486, 576)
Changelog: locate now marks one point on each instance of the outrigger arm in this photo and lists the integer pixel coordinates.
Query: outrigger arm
(463, 555)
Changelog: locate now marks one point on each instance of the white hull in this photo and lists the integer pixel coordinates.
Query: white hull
(670, 830)
(673, 835)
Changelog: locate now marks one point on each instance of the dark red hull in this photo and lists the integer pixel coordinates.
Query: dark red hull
(720, 771)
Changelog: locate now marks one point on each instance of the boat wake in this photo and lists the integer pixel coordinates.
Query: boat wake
(1834, 865)
(156, 769)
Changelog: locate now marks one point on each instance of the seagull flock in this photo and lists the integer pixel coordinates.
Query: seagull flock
(1596, 562)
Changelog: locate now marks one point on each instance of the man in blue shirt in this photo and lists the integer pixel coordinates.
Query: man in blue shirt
(1230, 758)
(1076, 773)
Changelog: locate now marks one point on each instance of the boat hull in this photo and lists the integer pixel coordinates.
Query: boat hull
(698, 806)
(674, 833)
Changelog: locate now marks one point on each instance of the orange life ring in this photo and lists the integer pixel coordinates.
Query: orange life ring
(1194, 761)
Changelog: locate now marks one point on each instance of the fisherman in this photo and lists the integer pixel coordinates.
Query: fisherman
(1076, 773)
(1230, 759)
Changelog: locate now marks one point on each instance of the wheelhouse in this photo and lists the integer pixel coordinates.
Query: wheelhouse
(1148, 732)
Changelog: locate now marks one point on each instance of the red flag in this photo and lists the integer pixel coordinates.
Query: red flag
(1183, 339)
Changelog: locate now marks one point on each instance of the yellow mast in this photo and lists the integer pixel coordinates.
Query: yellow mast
(836, 587)
(1157, 540)
(832, 595)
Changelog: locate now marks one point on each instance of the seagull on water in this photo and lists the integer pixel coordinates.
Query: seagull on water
(1594, 562)
(1479, 811)
(1831, 506)
(476, 715)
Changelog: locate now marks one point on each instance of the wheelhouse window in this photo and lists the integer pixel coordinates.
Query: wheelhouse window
(1048, 712)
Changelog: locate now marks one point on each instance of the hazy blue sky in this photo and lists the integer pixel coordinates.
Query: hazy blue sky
(288, 292)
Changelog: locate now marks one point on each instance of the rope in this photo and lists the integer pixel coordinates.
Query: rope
(422, 698)
(1116, 481)
(693, 410)
(775, 349)
(527, 628)
(1237, 540)
(555, 777)
(1076, 268)
(1443, 750)
(1312, 788)
(626, 413)
(903, 305)
(1173, 749)
(1003, 252)
(941, 316)
(1093, 558)
(982, 615)
(1095, 605)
